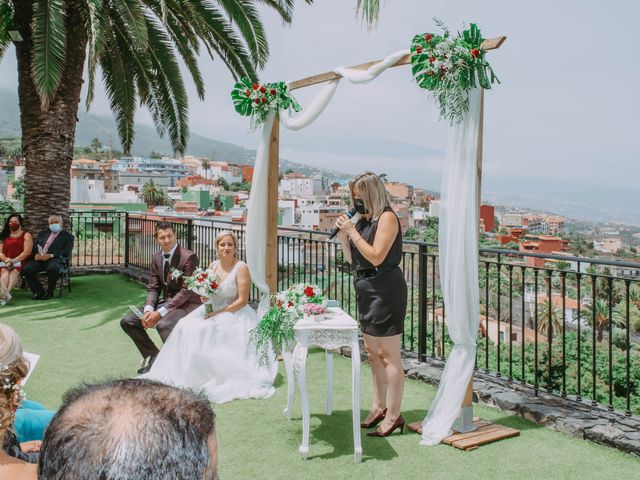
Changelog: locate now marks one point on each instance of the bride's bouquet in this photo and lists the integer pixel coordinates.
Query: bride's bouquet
(204, 283)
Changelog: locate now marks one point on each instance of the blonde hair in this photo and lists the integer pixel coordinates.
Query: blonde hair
(227, 233)
(13, 368)
(372, 191)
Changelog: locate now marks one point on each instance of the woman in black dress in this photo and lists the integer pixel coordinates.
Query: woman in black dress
(373, 246)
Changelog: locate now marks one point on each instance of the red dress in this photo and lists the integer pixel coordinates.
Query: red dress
(12, 247)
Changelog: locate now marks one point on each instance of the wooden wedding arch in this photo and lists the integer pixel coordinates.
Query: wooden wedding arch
(272, 195)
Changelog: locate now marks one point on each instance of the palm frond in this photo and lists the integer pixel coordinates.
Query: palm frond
(120, 87)
(219, 36)
(246, 17)
(179, 27)
(6, 18)
(133, 19)
(95, 21)
(369, 11)
(49, 48)
(173, 96)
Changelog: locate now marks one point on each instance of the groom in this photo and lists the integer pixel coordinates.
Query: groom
(169, 267)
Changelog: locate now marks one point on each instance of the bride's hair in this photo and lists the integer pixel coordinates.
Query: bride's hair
(227, 233)
(13, 368)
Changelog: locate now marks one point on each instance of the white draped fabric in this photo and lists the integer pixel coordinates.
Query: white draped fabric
(458, 239)
(458, 244)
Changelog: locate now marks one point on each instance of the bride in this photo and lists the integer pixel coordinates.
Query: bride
(213, 353)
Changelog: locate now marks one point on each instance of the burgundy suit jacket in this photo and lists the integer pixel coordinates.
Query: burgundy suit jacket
(174, 291)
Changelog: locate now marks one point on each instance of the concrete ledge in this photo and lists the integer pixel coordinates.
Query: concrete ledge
(567, 415)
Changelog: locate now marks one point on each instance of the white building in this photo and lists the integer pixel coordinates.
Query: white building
(319, 217)
(608, 245)
(87, 191)
(511, 220)
(4, 183)
(434, 208)
(300, 186)
(287, 209)
(418, 217)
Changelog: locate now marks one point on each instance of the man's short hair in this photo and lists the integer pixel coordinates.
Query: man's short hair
(163, 226)
(55, 215)
(129, 429)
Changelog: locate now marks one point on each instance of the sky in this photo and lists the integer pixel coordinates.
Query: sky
(560, 130)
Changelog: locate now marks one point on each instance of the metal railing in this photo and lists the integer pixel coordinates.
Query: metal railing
(566, 325)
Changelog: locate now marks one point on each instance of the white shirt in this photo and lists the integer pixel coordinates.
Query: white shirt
(162, 310)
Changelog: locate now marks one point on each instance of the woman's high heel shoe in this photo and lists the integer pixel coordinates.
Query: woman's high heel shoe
(375, 421)
(399, 423)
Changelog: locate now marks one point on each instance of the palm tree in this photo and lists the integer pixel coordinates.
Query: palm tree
(563, 265)
(599, 309)
(153, 195)
(206, 166)
(136, 45)
(544, 325)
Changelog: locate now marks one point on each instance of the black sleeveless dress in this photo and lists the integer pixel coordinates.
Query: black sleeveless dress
(381, 292)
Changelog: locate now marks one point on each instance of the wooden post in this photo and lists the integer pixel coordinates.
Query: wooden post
(468, 398)
(272, 207)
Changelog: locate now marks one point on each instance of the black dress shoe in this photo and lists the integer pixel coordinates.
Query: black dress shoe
(37, 296)
(46, 296)
(149, 363)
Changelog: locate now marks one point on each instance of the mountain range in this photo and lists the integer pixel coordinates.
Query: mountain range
(147, 140)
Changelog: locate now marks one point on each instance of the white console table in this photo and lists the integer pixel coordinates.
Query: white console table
(338, 329)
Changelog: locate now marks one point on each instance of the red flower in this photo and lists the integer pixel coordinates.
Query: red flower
(255, 86)
(290, 304)
(432, 59)
(202, 277)
(475, 53)
(443, 69)
(441, 76)
(272, 91)
(263, 89)
(309, 292)
(279, 304)
(430, 74)
(428, 37)
(248, 93)
(257, 100)
(214, 285)
(264, 100)
(418, 49)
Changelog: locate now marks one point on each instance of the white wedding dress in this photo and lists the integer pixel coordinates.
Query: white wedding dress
(215, 354)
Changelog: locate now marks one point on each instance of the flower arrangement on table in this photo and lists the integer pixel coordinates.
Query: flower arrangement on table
(275, 330)
(314, 311)
(449, 67)
(257, 101)
(204, 283)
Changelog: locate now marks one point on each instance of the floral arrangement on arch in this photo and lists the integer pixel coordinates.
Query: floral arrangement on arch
(275, 330)
(450, 66)
(257, 101)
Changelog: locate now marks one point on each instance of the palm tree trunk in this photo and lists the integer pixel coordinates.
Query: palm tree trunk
(48, 136)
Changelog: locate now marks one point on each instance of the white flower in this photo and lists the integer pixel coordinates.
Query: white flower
(175, 273)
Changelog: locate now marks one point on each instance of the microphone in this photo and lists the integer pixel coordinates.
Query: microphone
(335, 230)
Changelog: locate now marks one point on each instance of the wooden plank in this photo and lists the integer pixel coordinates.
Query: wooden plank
(480, 430)
(272, 207)
(488, 44)
(478, 440)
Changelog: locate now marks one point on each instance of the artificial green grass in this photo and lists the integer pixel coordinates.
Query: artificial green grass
(80, 339)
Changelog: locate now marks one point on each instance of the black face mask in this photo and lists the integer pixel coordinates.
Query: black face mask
(358, 204)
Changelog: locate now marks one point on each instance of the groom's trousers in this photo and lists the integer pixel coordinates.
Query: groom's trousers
(133, 327)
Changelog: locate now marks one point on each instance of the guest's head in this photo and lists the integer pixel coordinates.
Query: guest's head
(13, 368)
(130, 429)
(55, 222)
(369, 195)
(12, 224)
(165, 236)
(226, 244)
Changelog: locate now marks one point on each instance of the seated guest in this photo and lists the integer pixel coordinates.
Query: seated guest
(51, 248)
(130, 430)
(13, 368)
(15, 248)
